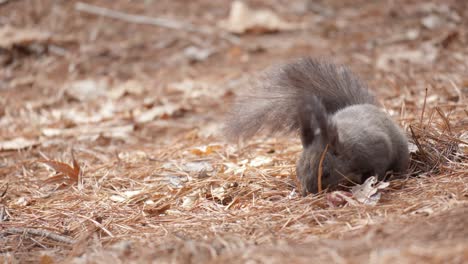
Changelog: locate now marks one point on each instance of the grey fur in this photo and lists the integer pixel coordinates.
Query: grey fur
(367, 142)
(330, 106)
(271, 104)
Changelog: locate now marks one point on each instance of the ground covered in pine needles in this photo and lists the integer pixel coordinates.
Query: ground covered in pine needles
(110, 142)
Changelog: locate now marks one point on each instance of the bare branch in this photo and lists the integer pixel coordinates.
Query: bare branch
(37, 232)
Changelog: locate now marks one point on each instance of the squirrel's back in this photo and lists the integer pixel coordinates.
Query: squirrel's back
(273, 103)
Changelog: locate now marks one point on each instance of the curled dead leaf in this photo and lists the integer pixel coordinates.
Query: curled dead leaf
(367, 193)
(205, 150)
(63, 169)
(242, 19)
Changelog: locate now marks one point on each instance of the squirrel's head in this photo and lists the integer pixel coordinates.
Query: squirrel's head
(323, 159)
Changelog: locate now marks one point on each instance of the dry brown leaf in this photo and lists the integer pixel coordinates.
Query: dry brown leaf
(59, 178)
(73, 173)
(242, 19)
(205, 150)
(157, 210)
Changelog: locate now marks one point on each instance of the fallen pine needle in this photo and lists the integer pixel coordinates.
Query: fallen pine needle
(320, 169)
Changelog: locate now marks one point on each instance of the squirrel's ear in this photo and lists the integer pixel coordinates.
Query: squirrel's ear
(312, 120)
(307, 128)
(332, 135)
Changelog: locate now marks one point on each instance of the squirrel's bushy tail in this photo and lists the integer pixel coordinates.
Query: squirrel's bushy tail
(274, 101)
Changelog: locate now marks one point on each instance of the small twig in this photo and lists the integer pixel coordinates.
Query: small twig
(37, 232)
(320, 169)
(137, 19)
(105, 12)
(146, 20)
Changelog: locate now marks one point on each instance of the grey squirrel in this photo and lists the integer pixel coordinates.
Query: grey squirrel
(346, 136)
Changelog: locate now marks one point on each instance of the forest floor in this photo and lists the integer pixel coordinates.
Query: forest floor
(111, 150)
